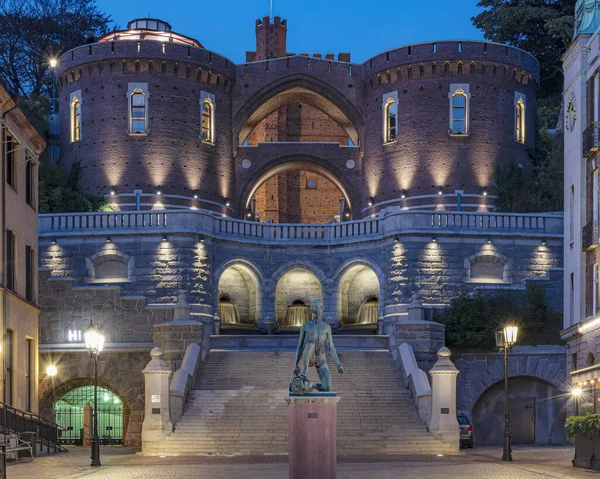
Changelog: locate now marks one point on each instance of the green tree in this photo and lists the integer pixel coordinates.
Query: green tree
(543, 28)
(60, 192)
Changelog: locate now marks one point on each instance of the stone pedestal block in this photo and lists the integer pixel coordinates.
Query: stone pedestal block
(157, 417)
(174, 337)
(443, 423)
(312, 423)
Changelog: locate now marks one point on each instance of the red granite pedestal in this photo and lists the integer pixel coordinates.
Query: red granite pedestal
(312, 424)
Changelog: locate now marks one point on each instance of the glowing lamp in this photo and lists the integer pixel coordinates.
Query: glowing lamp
(94, 340)
(53, 62)
(506, 336)
(51, 371)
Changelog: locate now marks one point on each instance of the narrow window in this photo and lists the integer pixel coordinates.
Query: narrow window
(595, 291)
(29, 257)
(138, 111)
(520, 121)
(75, 120)
(459, 112)
(11, 158)
(572, 299)
(10, 259)
(8, 358)
(390, 118)
(29, 361)
(572, 214)
(29, 182)
(207, 121)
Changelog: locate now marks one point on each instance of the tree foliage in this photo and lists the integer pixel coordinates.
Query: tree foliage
(34, 31)
(471, 319)
(543, 28)
(60, 192)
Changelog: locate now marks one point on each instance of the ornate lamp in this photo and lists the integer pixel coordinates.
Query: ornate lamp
(506, 338)
(94, 342)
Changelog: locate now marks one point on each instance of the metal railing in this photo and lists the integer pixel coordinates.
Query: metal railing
(589, 236)
(591, 139)
(22, 422)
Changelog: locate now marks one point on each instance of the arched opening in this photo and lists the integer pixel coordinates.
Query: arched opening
(238, 294)
(537, 413)
(358, 297)
(590, 359)
(293, 294)
(296, 113)
(69, 413)
(299, 192)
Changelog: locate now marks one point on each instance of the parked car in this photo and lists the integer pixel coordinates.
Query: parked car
(466, 431)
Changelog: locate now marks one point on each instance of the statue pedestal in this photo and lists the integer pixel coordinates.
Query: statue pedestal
(312, 424)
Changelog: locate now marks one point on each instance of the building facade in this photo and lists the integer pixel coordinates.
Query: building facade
(581, 109)
(20, 147)
(243, 192)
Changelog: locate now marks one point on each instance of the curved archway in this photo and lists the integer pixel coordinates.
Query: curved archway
(64, 406)
(536, 408)
(298, 88)
(238, 294)
(358, 295)
(295, 290)
(315, 165)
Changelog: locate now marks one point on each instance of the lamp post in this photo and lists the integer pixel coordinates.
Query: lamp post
(576, 393)
(506, 337)
(94, 342)
(53, 63)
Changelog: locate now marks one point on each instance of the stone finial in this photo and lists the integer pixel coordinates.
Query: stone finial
(444, 353)
(443, 365)
(416, 299)
(156, 353)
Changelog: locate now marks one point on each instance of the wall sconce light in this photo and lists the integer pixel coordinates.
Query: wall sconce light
(396, 239)
(484, 191)
(108, 239)
(489, 240)
(112, 191)
(51, 371)
(347, 214)
(370, 201)
(440, 190)
(227, 202)
(434, 239)
(195, 195)
(159, 192)
(403, 194)
(544, 242)
(164, 237)
(53, 240)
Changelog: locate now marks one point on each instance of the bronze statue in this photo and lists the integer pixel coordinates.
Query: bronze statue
(314, 336)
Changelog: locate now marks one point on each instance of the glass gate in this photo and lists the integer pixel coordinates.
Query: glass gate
(68, 413)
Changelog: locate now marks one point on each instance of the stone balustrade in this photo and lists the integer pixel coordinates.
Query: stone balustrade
(210, 224)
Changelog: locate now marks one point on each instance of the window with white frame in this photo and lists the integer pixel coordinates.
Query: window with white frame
(460, 97)
(75, 112)
(138, 108)
(520, 108)
(390, 117)
(207, 117)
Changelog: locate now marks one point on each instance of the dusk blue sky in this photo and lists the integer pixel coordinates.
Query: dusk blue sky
(363, 28)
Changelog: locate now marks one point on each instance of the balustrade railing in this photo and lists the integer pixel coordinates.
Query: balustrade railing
(230, 228)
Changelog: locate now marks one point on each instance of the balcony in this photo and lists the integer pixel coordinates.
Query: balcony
(591, 140)
(589, 236)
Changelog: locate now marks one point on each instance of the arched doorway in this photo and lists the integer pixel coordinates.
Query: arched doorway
(238, 294)
(294, 292)
(358, 296)
(69, 413)
(537, 413)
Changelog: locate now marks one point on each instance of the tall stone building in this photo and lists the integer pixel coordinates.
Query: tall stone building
(243, 192)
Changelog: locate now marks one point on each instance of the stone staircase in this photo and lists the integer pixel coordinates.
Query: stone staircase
(237, 406)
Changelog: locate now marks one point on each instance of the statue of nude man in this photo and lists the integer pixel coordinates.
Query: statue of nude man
(314, 336)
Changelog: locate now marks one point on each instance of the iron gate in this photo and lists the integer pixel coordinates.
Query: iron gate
(68, 413)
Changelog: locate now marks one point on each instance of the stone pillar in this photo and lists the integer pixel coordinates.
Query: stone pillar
(312, 425)
(182, 309)
(443, 423)
(87, 425)
(157, 418)
(342, 209)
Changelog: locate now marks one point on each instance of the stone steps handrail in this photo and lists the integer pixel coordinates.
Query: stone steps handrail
(204, 222)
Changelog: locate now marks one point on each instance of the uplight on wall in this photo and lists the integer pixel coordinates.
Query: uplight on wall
(403, 194)
(370, 201)
(484, 192)
(440, 190)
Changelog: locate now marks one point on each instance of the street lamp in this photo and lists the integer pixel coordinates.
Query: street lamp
(94, 342)
(576, 393)
(53, 64)
(506, 337)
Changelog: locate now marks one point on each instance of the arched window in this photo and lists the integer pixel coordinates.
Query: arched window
(138, 118)
(207, 121)
(520, 121)
(459, 112)
(390, 121)
(75, 119)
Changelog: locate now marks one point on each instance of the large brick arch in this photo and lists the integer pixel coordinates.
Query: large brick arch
(312, 163)
(298, 88)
